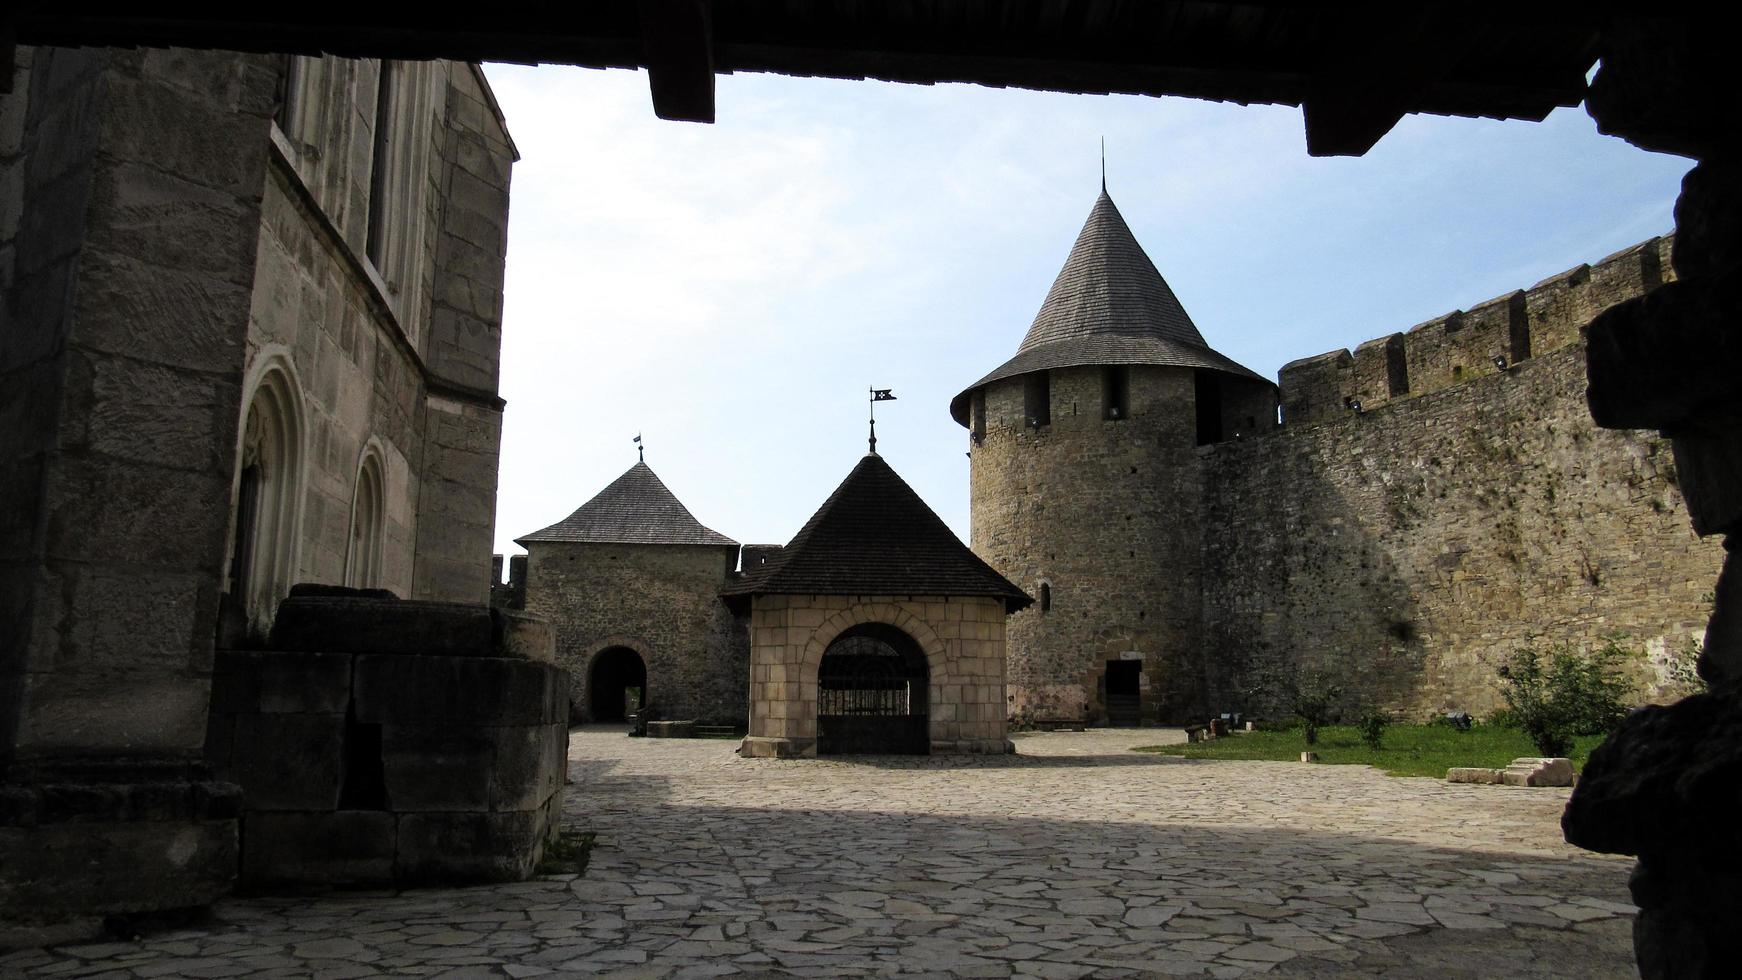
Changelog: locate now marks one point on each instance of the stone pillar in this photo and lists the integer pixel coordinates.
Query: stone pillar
(1664, 786)
(127, 241)
(463, 421)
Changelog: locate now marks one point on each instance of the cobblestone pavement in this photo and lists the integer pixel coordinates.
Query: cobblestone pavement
(1075, 858)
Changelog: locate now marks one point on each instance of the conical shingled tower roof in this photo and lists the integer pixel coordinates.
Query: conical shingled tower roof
(635, 509)
(1109, 305)
(875, 536)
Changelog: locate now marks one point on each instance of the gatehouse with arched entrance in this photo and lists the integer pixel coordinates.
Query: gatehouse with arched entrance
(876, 631)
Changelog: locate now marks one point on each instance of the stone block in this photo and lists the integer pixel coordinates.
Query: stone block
(776, 747)
(523, 637)
(671, 729)
(345, 847)
(1538, 772)
(106, 868)
(96, 507)
(438, 767)
(458, 848)
(392, 689)
(527, 770)
(1473, 775)
(288, 762)
(281, 682)
(335, 624)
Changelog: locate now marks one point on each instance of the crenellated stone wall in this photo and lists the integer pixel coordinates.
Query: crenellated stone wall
(1421, 513)
(1461, 346)
(1411, 544)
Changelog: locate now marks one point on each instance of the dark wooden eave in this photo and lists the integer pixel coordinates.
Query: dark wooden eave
(1354, 67)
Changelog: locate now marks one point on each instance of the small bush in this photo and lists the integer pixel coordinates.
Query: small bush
(1504, 718)
(1312, 696)
(1557, 697)
(1372, 727)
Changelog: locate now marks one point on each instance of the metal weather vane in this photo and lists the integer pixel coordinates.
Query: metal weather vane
(877, 395)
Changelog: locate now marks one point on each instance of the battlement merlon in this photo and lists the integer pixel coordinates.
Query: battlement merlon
(1462, 345)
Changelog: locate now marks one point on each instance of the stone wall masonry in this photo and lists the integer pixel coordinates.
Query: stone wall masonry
(465, 337)
(128, 308)
(964, 642)
(662, 600)
(126, 259)
(1097, 519)
(440, 758)
(1461, 346)
(1412, 549)
(377, 366)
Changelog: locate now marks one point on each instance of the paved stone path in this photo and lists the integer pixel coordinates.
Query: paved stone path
(1075, 858)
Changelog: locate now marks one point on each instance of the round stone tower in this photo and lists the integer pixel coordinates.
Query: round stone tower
(1086, 491)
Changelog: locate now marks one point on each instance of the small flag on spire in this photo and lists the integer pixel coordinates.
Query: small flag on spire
(881, 395)
(640, 450)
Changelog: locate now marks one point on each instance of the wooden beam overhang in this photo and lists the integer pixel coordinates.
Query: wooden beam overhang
(677, 41)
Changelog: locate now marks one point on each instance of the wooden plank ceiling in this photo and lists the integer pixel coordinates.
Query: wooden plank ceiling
(1355, 67)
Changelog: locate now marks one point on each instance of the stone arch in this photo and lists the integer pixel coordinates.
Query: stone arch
(366, 538)
(581, 692)
(936, 657)
(268, 488)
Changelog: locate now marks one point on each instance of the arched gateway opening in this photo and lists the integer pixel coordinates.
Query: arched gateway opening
(871, 694)
(616, 685)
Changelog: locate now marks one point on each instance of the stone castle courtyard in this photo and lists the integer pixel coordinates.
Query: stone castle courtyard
(1073, 858)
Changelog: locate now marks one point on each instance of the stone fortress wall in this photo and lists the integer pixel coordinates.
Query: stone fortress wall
(661, 601)
(1460, 512)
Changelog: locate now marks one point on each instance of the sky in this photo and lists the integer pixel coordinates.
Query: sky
(731, 291)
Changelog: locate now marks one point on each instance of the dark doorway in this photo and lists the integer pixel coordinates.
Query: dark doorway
(617, 684)
(1124, 696)
(871, 694)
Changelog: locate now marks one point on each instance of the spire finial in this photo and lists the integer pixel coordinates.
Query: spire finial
(640, 450)
(878, 395)
(1103, 164)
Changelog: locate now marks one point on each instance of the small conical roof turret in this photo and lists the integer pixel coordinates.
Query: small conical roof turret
(1109, 305)
(635, 509)
(875, 536)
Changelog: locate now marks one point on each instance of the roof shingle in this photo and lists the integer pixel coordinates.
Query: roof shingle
(635, 509)
(875, 536)
(1109, 305)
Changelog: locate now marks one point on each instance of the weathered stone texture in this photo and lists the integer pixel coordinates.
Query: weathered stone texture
(1098, 517)
(660, 600)
(373, 347)
(964, 644)
(365, 758)
(1412, 550)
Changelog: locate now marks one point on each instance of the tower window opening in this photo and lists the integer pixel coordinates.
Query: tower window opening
(1115, 392)
(1045, 598)
(979, 416)
(1037, 398)
(1208, 395)
(376, 243)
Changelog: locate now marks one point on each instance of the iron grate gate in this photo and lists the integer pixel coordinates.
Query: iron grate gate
(871, 695)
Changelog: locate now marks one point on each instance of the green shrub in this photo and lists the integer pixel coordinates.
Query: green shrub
(1503, 718)
(1562, 695)
(1313, 696)
(1372, 727)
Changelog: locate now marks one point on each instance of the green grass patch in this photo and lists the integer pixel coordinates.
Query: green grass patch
(1408, 750)
(567, 854)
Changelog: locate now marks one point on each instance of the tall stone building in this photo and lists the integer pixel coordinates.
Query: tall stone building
(1425, 507)
(631, 583)
(1085, 484)
(252, 312)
